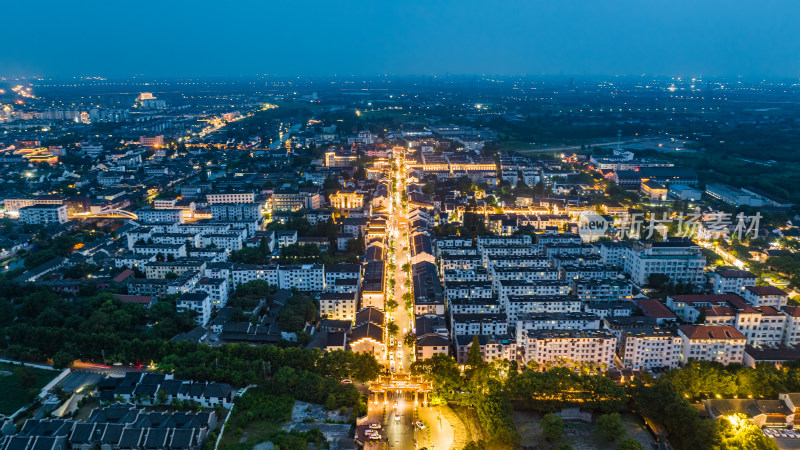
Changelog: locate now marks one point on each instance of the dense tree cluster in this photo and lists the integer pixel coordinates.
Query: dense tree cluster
(705, 379)
(480, 386)
(298, 310)
(664, 401)
(248, 295)
(242, 364)
(560, 387)
(38, 325)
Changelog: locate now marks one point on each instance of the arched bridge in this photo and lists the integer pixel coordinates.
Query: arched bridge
(113, 214)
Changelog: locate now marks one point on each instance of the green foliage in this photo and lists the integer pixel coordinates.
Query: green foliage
(298, 310)
(331, 184)
(556, 388)
(610, 427)
(552, 427)
(21, 386)
(737, 432)
(703, 379)
(242, 364)
(494, 410)
(300, 254)
(48, 326)
(663, 405)
(314, 388)
(38, 258)
(410, 340)
(248, 295)
(252, 255)
(261, 405)
(475, 445)
(474, 357)
(443, 371)
(629, 444)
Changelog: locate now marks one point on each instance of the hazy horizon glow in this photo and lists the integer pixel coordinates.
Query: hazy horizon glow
(321, 38)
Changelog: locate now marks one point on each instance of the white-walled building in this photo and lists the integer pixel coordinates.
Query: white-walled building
(515, 305)
(766, 296)
(43, 214)
(305, 277)
(163, 250)
(338, 306)
(217, 290)
(733, 281)
(791, 328)
(568, 348)
(492, 347)
(721, 343)
(680, 260)
(478, 324)
(649, 348)
(150, 215)
(230, 197)
(199, 302)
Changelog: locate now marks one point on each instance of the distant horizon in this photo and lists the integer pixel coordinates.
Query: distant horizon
(379, 76)
(316, 38)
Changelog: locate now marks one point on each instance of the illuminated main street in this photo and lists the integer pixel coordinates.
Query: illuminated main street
(399, 401)
(402, 357)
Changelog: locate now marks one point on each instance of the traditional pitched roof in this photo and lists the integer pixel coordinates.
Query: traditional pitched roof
(711, 332)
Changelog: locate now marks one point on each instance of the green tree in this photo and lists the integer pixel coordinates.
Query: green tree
(737, 432)
(629, 444)
(62, 360)
(474, 357)
(442, 370)
(610, 426)
(552, 427)
(410, 340)
(26, 377)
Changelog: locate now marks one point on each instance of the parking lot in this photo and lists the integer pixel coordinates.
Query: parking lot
(784, 442)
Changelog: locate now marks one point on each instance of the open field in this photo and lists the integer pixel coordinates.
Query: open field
(579, 435)
(16, 390)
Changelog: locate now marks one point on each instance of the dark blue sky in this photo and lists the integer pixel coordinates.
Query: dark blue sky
(291, 37)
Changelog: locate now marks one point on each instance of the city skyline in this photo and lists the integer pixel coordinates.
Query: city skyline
(359, 38)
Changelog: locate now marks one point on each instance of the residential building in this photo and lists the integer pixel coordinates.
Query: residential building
(678, 259)
(43, 214)
(766, 296)
(199, 302)
(575, 349)
(720, 343)
(338, 306)
(492, 347)
(731, 281)
(649, 349)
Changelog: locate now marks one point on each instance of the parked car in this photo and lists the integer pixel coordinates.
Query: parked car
(375, 426)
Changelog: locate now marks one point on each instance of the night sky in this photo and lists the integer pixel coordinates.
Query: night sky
(320, 38)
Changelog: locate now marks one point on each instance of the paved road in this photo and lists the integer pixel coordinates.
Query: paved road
(401, 358)
(398, 431)
(114, 371)
(438, 433)
(576, 147)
